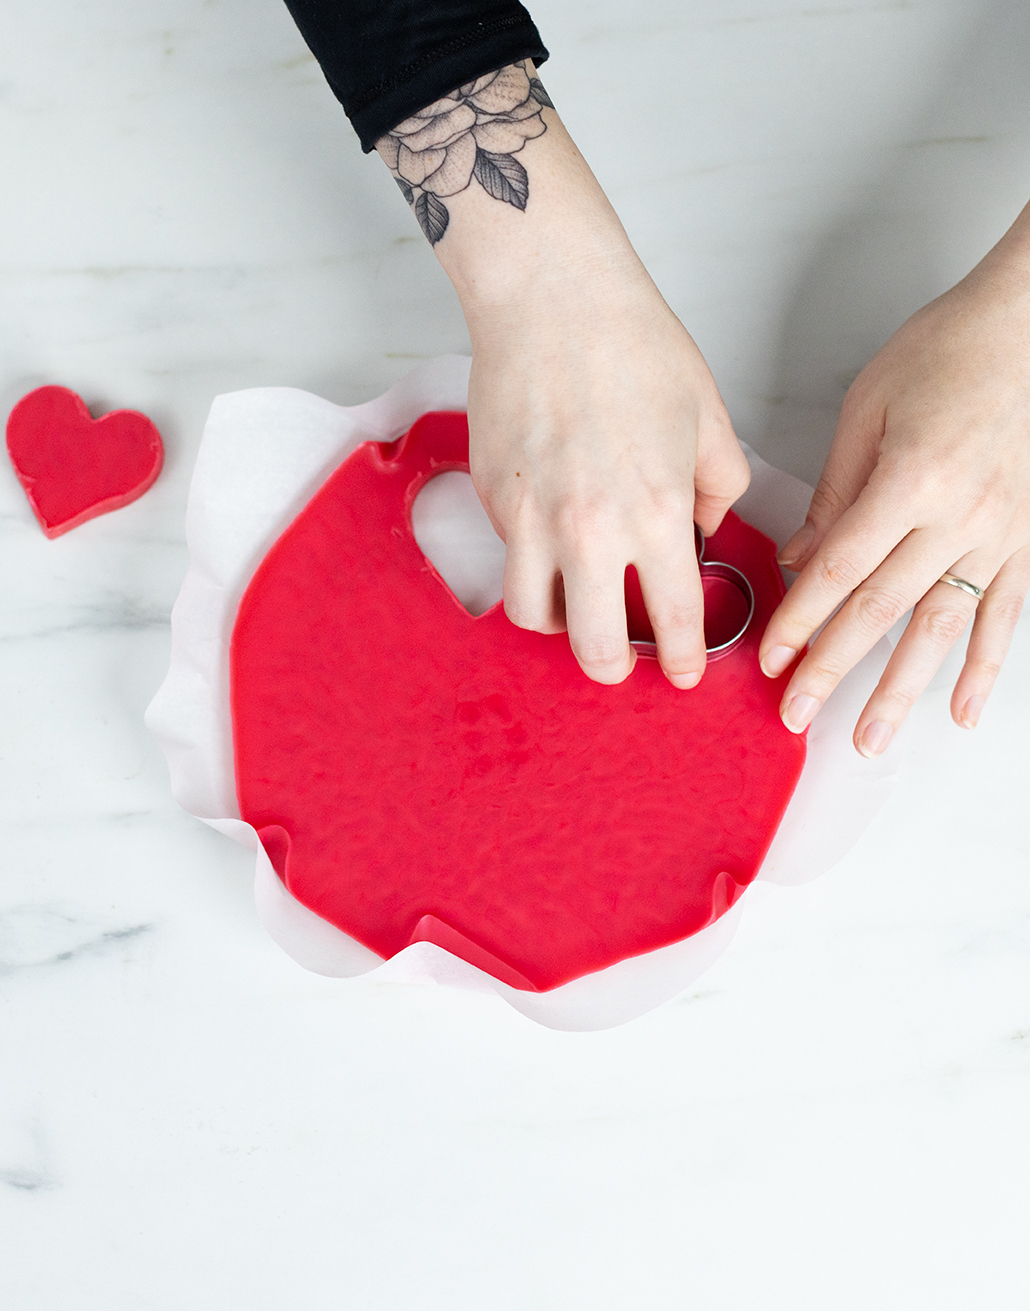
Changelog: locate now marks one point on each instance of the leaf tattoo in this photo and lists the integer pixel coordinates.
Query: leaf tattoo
(536, 90)
(432, 216)
(471, 134)
(503, 177)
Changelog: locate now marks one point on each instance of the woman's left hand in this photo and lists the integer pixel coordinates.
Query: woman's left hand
(929, 473)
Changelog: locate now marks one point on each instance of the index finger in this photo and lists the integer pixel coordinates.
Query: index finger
(855, 546)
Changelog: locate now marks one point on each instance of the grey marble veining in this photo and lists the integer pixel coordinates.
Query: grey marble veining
(835, 1116)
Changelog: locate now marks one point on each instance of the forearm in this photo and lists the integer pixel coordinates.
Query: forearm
(510, 206)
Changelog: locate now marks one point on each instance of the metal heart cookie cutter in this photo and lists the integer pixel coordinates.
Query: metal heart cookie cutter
(729, 606)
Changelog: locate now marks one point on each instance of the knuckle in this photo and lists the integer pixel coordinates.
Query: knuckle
(923, 480)
(676, 617)
(1005, 610)
(902, 695)
(877, 608)
(986, 506)
(827, 502)
(739, 480)
(573, 521)
(601, 653)
(519, 517)
(822, 671)
(665, 512)
(990, 668)
(581, 525)
(921, 469)
(943, 625)
(838, 572)
(740, 484)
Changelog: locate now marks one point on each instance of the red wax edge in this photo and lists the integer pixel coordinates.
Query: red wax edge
(74, 467)
(419, 774)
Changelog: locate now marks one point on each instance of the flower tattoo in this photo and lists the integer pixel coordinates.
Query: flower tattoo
(475, 132)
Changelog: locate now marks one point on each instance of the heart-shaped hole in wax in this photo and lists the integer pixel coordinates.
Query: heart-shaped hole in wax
(455, 534)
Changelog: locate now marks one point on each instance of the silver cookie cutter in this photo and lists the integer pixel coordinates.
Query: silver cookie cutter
(727, 573)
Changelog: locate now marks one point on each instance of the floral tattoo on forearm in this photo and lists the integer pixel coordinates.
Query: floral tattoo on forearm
(473, 133)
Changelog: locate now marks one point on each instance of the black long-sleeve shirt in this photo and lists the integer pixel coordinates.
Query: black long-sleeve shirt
(387, 59)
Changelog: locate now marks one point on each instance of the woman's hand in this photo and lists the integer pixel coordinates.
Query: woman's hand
(929, 473)
(597, 438)
(597, 435)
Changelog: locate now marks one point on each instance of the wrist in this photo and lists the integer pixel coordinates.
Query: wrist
(560, 282)
(568, 236)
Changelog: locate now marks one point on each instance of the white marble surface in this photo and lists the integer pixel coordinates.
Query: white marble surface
(835, 1116)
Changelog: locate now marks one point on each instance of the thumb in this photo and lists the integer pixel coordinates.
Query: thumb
(849, 465)
(721, 474)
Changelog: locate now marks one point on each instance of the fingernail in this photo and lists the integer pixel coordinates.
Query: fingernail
(685, 681)
(800, 713)
(972, 711)
(777, 658)
(875, 737)
(798, 545)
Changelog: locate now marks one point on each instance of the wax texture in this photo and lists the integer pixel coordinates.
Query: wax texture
(416, 774)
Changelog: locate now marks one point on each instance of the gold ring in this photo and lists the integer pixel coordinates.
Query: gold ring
(964, 584)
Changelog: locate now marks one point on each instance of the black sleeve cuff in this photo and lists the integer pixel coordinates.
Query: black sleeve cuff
(387, 59)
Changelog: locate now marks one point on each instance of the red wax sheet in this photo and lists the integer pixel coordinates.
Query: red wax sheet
(74, 467)
(419, 774)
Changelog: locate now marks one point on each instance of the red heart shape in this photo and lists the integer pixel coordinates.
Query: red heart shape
(417, 773)
(74, 467)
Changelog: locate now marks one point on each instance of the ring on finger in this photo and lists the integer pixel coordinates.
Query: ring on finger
(964, 584)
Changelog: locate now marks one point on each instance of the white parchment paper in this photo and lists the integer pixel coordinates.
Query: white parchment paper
(263, 455)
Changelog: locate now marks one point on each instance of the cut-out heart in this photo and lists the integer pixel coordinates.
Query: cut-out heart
(419, 774)
(74, 467)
